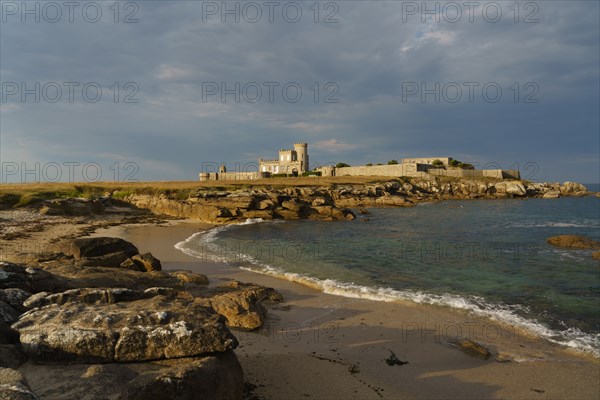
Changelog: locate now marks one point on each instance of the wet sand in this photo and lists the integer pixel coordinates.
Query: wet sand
(321, 346)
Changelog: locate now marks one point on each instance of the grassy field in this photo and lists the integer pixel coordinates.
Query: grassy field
(23, 194)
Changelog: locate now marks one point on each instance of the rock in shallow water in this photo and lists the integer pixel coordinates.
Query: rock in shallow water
(573, 242)
(472, 348)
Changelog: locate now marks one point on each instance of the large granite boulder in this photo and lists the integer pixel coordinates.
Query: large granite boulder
(572, 188)
(98, 251)
(241, 304)
(140, 330)
(96, 246)
(514, 188)
(147, 261)
(216, 377)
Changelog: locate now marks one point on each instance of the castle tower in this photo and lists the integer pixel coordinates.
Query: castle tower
(302, 153)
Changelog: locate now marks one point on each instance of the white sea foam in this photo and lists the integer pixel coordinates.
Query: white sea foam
(201, 244)
(550, 224)
(569, 337)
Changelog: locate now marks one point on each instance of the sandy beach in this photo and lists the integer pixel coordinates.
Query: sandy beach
(322, 346)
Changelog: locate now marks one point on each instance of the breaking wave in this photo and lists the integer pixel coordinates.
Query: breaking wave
(202, 245)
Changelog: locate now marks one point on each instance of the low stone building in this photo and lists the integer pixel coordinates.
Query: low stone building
(422, 167)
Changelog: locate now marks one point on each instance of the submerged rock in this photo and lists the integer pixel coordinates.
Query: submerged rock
(472, 348)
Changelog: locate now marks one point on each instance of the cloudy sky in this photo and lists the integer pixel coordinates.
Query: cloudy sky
(157, 90)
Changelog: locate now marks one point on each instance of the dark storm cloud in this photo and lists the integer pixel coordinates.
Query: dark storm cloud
(368, 58)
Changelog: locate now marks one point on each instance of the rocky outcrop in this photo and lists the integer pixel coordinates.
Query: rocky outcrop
(139, 330)
(121, 333)
(63, 275)
(238, 205)
(335, 201)
(572, 188)
(514, 188)
(573, 242)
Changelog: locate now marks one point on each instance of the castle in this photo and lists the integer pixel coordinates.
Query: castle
(291, 162)
(295, 163)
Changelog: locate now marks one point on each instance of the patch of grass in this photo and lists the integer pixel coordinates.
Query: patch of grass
(182, 194)
(29, 199)
(121, 194)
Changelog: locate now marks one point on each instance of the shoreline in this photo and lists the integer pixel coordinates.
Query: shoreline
(503, 317)
(318, 333)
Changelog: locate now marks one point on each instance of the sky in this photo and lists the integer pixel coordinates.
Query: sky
(162, 90)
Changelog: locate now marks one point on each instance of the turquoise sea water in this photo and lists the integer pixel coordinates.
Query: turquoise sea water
(486, 256)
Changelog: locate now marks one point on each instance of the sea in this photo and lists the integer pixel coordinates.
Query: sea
(489, 257)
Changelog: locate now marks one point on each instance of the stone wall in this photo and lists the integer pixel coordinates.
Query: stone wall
(476, 173)
(425, 171)
(229, 176)
(413, 170)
